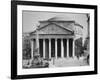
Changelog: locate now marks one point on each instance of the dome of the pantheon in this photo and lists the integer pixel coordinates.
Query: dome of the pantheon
(61, 18)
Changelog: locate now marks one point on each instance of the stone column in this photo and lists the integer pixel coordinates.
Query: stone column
(73, 55)
(67, 47)
(49, 48)
(56, 48)
(32, 49)
(62, 48)
(43, 48)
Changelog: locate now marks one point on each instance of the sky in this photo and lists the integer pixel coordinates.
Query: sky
(31, 19)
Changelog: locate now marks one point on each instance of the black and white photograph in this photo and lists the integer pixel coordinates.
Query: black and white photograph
(55, 39)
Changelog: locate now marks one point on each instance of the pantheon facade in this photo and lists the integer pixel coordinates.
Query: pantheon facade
(55, 38)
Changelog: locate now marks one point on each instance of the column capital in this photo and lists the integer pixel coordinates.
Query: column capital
(55, 39)
(50, 39)
(62, 38)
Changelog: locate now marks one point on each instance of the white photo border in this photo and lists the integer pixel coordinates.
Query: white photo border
(21, 71)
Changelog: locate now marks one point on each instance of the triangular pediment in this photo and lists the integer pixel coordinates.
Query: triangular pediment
(53, 29)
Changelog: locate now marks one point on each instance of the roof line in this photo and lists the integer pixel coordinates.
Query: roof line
(78, 25)
(49, 24)
(40, 27)
(62, 27)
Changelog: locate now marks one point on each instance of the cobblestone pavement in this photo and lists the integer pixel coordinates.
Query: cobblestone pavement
(68, 62)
